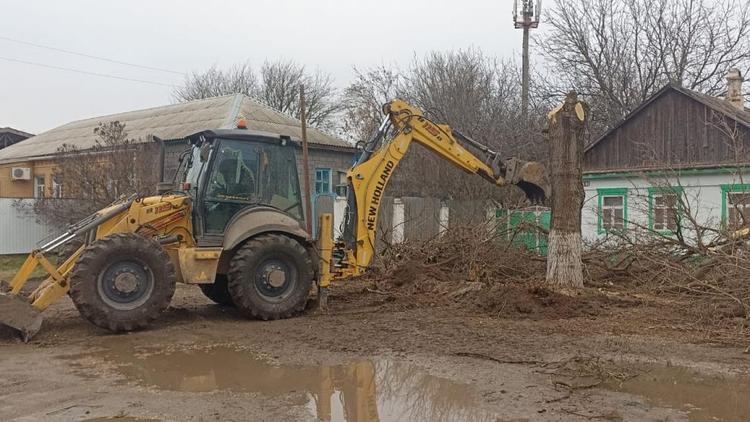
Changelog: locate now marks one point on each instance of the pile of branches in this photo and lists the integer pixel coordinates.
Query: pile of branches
(714, 275)
(708, 279)
(479, 253)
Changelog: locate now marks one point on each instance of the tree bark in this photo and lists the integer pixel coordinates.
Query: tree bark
(567, 125)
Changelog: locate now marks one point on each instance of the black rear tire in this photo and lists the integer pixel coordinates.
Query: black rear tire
(218, 292)
(270, 277)
(122, 282)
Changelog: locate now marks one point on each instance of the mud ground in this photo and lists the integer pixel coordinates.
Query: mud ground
(499, 360)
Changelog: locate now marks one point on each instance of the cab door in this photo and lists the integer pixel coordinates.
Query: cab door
(232, 184)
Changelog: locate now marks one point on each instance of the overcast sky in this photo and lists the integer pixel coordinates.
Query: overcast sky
(185, 36)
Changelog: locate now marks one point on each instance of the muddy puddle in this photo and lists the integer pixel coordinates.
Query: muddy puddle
(703, 397)
(362, 390)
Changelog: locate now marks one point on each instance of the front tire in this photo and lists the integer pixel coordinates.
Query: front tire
(270, 277)
(122, 282)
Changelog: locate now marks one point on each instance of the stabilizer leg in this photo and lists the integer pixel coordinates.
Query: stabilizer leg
(325, 249)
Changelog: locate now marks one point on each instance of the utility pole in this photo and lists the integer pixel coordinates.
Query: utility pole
(528, 19)
(305, 161)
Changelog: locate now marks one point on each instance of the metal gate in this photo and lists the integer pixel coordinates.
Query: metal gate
(522, 227)
(19, 230)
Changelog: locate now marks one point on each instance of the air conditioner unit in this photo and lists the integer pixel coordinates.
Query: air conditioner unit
(20, 173)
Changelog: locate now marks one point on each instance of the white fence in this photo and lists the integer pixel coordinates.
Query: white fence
(19, 232)
(417, 218)
(401, 219)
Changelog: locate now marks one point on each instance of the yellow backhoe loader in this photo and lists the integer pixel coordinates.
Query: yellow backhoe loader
(234, 226)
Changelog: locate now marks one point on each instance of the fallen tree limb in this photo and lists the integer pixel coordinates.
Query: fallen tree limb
(494, 359)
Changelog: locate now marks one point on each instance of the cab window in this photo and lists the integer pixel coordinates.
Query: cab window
(250, 173)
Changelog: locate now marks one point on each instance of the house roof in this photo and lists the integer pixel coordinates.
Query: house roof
(15, 132)
(171, 122)
(717, 104)
(720, 105)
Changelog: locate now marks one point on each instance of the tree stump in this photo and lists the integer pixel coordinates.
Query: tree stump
(567, 125)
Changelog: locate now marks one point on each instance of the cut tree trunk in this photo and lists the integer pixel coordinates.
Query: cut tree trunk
(567, 125)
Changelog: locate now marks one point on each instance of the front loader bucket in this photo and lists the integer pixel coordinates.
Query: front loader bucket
(19, 315)
(17, 312)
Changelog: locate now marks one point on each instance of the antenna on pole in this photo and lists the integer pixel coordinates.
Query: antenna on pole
(528, 19)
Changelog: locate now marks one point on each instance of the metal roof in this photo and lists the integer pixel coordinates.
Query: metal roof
(15, 132)
(720, 105)
(171, 122)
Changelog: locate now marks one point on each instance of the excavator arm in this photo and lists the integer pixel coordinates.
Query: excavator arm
(381, 156)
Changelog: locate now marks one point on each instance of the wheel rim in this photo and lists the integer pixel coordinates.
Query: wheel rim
(125, 284)
(275, 280)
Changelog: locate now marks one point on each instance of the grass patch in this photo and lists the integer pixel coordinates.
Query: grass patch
(9, 265)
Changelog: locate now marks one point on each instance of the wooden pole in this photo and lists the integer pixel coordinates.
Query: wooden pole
(567, 125)
(305, 161)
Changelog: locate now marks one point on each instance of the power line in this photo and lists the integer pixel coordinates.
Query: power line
(85, 72)
(90, 56)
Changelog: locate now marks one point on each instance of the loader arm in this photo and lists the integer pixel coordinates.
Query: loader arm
(369, 177)
(148, 217)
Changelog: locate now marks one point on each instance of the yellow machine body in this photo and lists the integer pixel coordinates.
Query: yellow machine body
(168, 219)
(165, 217)
(369, 177)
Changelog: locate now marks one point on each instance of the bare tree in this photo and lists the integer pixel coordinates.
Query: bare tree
(363, 100)
(214, 82)
(280, 85)
(474, 93)
(616, 53)
(465, 88)
(277, 85)
(90, 179)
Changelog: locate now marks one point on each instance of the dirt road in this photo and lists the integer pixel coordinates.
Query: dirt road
(378, 356)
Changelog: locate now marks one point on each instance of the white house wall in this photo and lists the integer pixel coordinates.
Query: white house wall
(702, 192)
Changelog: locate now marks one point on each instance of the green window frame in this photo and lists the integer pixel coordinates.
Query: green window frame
(656, 191)
(725, 191)
(322, 180)
(610, 192)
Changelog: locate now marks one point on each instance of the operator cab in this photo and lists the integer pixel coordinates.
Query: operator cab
(229, 172)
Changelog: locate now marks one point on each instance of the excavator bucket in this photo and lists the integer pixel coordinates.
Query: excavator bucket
(532, 179)
(18, 315)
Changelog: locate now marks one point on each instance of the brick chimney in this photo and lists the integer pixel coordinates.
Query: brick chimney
(734, 88)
